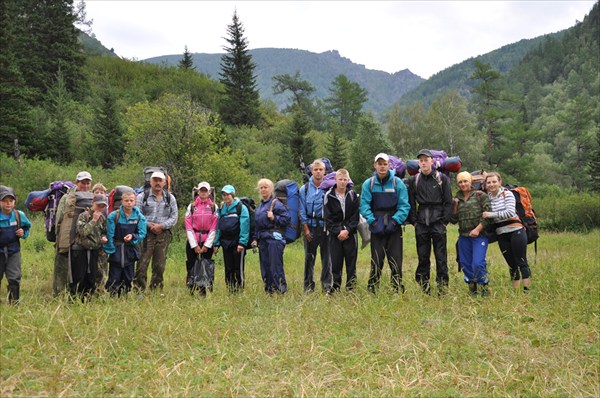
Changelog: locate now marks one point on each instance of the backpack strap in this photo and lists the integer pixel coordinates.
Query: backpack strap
(166, 195)
(18, 218)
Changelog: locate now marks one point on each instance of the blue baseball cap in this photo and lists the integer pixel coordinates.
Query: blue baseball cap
(229, 189)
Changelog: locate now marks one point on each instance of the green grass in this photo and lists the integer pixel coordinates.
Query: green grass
(509, 344)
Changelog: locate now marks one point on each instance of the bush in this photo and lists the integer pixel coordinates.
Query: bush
(568, 212)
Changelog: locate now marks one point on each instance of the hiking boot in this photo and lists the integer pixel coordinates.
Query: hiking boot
(473, 288)
(484, 291)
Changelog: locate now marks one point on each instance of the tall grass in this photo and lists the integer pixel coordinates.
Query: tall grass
(251, 344)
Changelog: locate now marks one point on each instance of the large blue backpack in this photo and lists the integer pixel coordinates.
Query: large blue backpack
(286, 191)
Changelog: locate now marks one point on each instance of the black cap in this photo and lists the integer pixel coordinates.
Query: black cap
(425, 152)
(7, 191)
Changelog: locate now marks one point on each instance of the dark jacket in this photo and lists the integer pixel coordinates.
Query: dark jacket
(430, 198)
(337, 220)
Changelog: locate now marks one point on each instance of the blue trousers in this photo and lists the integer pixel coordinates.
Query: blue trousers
(472, 252)
(120, 278)
(271, 265)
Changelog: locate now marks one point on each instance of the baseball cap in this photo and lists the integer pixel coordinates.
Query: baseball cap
(7, 191)
(100, 199)
(83, 175)
(424, 152)
(158, 174)
(382, 156)
(204, 185)
(228, 189)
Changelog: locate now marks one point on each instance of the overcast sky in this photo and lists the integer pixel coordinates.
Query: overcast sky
(423, 36)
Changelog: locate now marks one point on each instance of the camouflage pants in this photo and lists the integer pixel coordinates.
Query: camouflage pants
(102, 273)
(61, 273)
(154, 248)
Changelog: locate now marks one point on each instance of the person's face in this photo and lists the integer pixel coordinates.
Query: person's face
(265, 191)
(8, 204)
(203, 193)
(157, 184)
(128, 201)
(227, 197)
(464, 185)
(99, 206)
(425, 164)
(99, 191)
(318, 172)
(381, 166)
(83, 185)
(492, 184)
(341, 181)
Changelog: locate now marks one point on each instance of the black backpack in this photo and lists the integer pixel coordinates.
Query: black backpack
(251, 206)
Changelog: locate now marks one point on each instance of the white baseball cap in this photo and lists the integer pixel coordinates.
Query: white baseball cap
(382, 156)
(203, 184)
(158, 174)
(83, 175)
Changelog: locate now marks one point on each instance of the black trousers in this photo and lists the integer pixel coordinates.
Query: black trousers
(426, 237)
(84, 267)
(389, 246)
(340, 252)
(234, 268)
(514, 249)
(319, 240)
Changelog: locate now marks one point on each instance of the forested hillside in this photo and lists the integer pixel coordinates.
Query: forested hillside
(532, 115)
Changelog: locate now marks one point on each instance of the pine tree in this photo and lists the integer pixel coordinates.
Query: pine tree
(109, 144)
(301, 145)
(336, 149)
(240, 105)
(187, 61)
(345, 103)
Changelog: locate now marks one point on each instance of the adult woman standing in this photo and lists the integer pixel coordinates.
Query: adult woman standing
(201, 230)
(271, 219)
(512, 237)
(467, 211)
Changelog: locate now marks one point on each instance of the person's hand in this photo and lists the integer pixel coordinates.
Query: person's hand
(270, 215)
(254, 243)
(307, 233)
(197, 250)
(486, 214)
(127, 238)
(103, 239)
(474, 233)
(96, 215)
(343, 235)
(215, 249)
(20, 232)
(240, 248)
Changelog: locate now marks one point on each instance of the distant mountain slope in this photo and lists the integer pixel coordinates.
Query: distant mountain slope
(456, 77)
(320, 70)
(92, 46)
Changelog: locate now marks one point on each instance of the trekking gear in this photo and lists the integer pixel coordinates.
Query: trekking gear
(441, 162)
(251, 206)
(525, 212)
(115, 196)
(329, 181)
(478, 180)
(75, 204)
(147, 188)
(286, 191)
(398, 165)
(328, 167)
(47, 201)
(202, 274)
(363, 231)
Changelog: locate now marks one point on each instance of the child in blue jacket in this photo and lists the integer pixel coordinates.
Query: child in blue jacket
(14, 226)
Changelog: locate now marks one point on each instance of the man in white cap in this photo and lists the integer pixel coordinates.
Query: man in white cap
(83, 183)
(160, 209)
(384, 204)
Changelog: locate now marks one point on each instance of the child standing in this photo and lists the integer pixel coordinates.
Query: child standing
(102, 273)
(14, 225)
(126, 228)
(91, 235)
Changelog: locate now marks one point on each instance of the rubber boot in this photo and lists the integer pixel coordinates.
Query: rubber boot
(13, 293)
(473, 288)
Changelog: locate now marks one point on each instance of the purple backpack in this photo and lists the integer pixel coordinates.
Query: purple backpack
(398, 166)
(57, 190)
(329, 181)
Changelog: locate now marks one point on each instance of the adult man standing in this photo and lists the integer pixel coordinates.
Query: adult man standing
(313, 225)
(160, 209)
(430, 197)
(384, 204)
(83, 183)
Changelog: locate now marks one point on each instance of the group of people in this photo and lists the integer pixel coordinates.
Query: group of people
(106, 247)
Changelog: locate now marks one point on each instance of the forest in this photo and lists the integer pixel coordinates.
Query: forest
(67, 106)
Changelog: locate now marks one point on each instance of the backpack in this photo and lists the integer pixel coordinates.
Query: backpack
(251, 206)
(525, 212)
(398, 165)
(478, 180)
(441, 162)
(47, 201)
(286, 191)
(148, 170)
(75, 204)
(308, 170)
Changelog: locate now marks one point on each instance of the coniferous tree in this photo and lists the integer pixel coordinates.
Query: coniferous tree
(108, 143)
(186, 61)
(301, 145)
(345, 103)
(57, 141)
(240, 105)
(336, 149)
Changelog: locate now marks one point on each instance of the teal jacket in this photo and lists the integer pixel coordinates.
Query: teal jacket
(366, 197)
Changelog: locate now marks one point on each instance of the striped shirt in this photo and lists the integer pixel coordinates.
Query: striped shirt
(159, 212)
(504, 209)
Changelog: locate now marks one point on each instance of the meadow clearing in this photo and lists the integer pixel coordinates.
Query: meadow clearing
(545, 343)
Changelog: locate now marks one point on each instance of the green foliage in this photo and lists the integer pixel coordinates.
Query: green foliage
(240, 105)
(345, 104)
(336, 148)
(301, 145)
(107, 146)
(568, 212)
(187, 61)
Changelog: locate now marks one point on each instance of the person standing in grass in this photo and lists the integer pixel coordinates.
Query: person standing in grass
(14, 226)
(233, 234)
(512, 237)
(384, 204)
(102, 274)
(126, 228)
(271, 219)
(467, 211)
(341, 209)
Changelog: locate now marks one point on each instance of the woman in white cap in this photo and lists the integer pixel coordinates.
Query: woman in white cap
(201, 229)
(467, 211)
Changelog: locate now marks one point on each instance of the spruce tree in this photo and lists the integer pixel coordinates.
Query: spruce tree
(240, 105)
(109, 144)
(345, 103)
(301, 144)
(186, 62)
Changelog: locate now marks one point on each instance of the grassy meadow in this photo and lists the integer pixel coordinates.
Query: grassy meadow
(544, 343)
